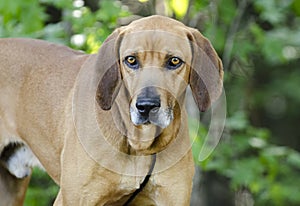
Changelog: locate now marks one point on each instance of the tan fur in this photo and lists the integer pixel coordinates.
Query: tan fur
(12, 190)
(37, 81)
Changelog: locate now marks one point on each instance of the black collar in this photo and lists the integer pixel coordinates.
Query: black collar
(144, 183)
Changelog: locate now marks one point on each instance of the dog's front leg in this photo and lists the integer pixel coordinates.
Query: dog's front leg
(12, 189)
(58, 200)
(83, 181)
(174, 186)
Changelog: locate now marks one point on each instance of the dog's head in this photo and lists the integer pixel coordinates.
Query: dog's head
(156, 58)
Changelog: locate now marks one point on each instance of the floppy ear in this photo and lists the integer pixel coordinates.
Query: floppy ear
(206, 75)
(108, 71)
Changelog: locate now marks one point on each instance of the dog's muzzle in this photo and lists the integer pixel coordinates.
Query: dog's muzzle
(148, 110)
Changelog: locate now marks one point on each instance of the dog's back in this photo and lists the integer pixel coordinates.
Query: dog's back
(52, 69)
(24, 62)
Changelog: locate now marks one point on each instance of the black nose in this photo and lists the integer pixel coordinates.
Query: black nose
(147, 105)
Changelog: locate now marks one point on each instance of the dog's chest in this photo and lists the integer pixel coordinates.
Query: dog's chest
(133, 186)
(130, 183)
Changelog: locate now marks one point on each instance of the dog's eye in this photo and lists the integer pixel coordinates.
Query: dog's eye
(174, 63)
(131, 62)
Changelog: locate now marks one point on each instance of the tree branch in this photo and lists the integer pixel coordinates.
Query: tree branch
(231, 34)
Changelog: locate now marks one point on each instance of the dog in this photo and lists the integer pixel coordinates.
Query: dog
(109, 128)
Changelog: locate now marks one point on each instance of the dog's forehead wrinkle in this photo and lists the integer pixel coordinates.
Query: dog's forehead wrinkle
(151, 59)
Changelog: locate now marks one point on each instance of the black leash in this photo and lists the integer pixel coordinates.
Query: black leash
(144, 183)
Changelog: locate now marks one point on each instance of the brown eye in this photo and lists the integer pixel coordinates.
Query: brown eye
(131, 62)
(175, 60)
(174, 63)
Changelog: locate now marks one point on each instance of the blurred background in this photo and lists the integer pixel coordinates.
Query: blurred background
(257, 161)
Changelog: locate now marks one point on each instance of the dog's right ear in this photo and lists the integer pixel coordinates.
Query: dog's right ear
(108, 71)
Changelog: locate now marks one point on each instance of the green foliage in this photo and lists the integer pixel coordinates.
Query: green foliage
(94, 27)
(262, 74)
(78, 22)
(248, 159)
(42, 190)
(16, 20)
(179, 7)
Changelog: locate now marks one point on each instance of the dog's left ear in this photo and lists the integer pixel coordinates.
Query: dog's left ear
(206, 75)
(107, 66)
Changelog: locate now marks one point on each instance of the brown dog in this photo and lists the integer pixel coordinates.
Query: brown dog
(95, 121)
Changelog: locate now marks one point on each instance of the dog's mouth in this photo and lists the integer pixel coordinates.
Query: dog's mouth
(150, 123)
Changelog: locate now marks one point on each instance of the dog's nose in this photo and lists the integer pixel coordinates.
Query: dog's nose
(147, 105)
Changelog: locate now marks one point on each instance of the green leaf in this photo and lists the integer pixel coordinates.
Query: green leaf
(293, 158)
(237, 122)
